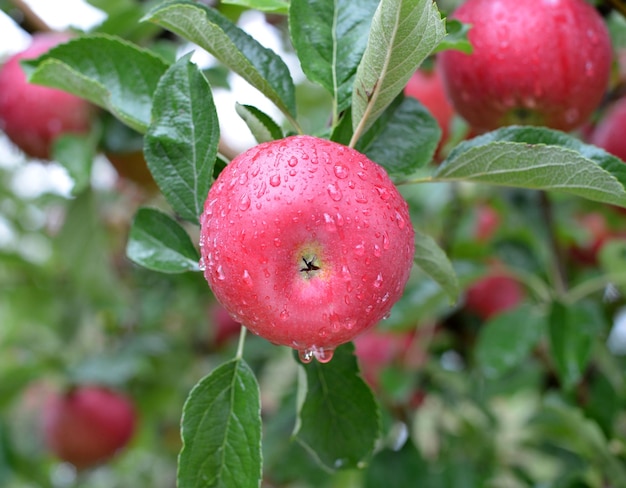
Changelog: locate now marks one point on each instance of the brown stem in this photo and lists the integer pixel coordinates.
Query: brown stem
(32, 21)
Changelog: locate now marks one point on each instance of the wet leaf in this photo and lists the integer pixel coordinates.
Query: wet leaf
(338, 418)
(262, 126)
(221, 430)
(435, 263)
(158, 242)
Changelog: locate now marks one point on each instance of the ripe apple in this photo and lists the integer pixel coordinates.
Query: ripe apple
(306, 242)
(88, 425)
(610, 133)
(539, 62)
(493, 294)
(224, 326)
(598, 232)
(487, 222)
(377, 349)
(427, 87)
(33, 116)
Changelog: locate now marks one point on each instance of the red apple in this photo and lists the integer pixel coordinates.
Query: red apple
(487, 222)
(597, 231)
(610, 133)
(378, 349)
(87, 425)
(225, 327)
(540, 62)
(427, 87)
(33, 116)
(493, 294)
(306, 242)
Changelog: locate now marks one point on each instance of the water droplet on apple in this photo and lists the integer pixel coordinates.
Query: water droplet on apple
(341, 171)
(247, 279)
(334, 192)
(385, 241)
(293, 161)
(244, 203)
(383, 193)
(262, 189)
(330, 223)
(277, 242)
(378, 281)
(359, 249)
(323, 333)
(360, 197)
(201, 264)
(243, 179)
(377, 251)
(400, 220)
(284, 315)
(345, 273)
(275, 180)
(220, 273)
(349, 324)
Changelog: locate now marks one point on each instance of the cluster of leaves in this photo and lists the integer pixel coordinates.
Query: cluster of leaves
(362, 53)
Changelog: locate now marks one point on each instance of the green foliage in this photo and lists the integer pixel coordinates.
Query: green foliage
(338, 419)
(221, 430)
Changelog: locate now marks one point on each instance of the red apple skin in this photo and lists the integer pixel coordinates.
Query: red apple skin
(610, 133)
(306, 242)
(427, 87)
(87, 425)
(539, 62)
(33, 116)
(487, 222)
(493, 294)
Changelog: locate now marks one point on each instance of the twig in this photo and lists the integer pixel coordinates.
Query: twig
(560, 279)
(31, 19)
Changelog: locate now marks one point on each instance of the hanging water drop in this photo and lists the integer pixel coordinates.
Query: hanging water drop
(323, 355)
(305, 355)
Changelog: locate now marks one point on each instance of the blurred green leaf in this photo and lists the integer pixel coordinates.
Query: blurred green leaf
(206, 27)
(338, 419)
(263, 128)
(108, 71)
(182, 139)
(397, 469)
(505, 341)
(538, 158)
(572, 329)
(75, 153)
(269, 6)
(435, 263)
(403, 33)
(403, 139)
(221, 430)
(330, 37)
(159, 243)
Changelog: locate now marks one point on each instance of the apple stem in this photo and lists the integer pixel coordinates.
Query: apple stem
(242, 341)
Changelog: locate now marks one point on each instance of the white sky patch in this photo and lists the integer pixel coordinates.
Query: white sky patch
(61, 14)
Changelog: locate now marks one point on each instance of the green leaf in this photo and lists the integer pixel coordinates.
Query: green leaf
(75, 153)
(507, 340)
(110, 72)
(210, 30)
(158, 242)
(262, 126)
(402, 35)
(538, 158)
(221, 430)
(456, 38)
(403, 139)
(181, 142)
(330, 37)
(397, 469)
(338, 419)
(435, 263)
(269, 6)
(572, 329)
